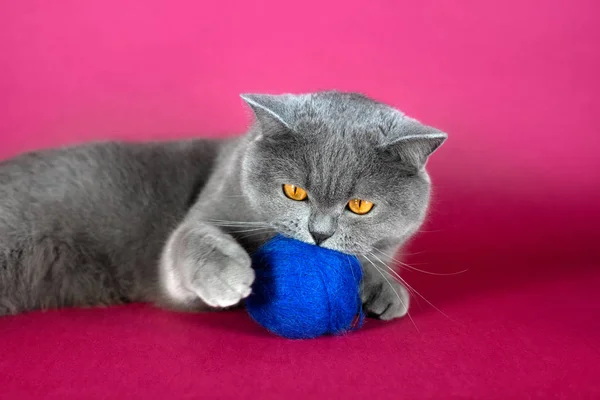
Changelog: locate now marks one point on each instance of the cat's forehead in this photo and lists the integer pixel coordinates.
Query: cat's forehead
(335, 144)
(332, 168)
(346, 114)
(337, 137)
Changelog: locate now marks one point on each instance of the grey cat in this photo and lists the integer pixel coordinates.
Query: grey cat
(174, 222)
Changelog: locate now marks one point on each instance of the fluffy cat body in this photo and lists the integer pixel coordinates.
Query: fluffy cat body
(173, 222)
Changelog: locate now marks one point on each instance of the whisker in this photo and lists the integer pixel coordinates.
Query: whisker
(228, 220)
(413, 289)
(420, 270)
(396, 292)
(392, 273)
(219, 222)
(251, 233)
(412, 254)
(351, 270)
(233, 230)
(244, 223)
(240, 227)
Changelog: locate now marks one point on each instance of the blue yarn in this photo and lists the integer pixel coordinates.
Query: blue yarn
(303, 291)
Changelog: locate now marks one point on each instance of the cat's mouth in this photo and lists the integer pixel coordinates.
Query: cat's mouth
(327, 244)
(334, 242)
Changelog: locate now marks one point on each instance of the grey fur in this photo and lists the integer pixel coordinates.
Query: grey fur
(173, 222)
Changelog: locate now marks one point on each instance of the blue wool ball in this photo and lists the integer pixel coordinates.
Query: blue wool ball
(303, 291)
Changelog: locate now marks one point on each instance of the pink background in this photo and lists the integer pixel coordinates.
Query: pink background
(514, 83)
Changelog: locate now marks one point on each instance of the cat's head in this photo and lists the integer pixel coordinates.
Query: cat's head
(337, 168)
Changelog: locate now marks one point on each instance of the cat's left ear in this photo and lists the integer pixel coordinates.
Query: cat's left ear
(413, 143)
(273, 112)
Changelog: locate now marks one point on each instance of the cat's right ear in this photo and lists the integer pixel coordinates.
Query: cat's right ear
(271, 111)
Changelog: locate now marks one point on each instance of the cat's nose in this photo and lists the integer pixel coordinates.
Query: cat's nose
(320, 237)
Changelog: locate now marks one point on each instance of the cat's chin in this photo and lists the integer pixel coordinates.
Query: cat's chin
(346, 250)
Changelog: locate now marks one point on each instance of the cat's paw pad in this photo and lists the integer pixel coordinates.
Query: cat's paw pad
(385, 300)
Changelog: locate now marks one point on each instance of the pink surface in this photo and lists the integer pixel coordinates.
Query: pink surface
(514, 83)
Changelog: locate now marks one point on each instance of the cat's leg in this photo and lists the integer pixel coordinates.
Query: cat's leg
(203, 267)
(49, 272)
(382, 295)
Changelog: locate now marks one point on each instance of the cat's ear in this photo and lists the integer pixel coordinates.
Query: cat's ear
(273, 112)
(413, 143)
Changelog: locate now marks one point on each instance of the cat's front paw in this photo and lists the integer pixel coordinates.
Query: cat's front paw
(385, 300)
(223, 274)
(201, 262)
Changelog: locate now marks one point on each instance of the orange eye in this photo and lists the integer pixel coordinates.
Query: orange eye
(294, 192)
(360, 207)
